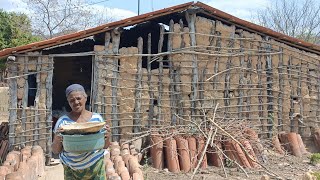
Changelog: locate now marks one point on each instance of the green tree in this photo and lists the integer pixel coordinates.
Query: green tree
(15, 30)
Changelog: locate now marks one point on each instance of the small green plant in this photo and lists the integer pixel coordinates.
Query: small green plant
(316, 174)
(315, 158)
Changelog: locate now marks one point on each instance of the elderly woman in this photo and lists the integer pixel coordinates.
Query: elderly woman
(89, 165)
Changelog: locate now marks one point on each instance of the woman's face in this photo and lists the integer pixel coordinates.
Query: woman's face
(77, 101)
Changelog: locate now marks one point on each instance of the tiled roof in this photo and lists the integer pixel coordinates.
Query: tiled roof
(152, 15)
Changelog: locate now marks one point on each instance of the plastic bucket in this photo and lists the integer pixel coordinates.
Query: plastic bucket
(83, 143)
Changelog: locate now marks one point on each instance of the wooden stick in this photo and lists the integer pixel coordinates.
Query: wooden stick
(150, 90)
(160, 85)
(49, 115)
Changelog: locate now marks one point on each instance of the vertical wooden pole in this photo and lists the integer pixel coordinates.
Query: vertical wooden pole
(114, 82)
(49, 110)
(160, 85)
(25, 101)
(301, 126)
(36, 102)
(241, 79)
(137, 106)
(281, 84)
(291, 95)
(12, 103)
(171, 72)
(191, 17)
(260, 93)
(151, 93)
(269, 73)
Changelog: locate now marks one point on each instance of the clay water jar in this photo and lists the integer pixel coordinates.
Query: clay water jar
(192, 144)
(301, 145)
(133, 164)
(25, 170)
(125, 146)
(294, 144)
(124, 174)
(26, 153)
(183, 151)
(252, 159)
(13, 158)
(33, 162)
(240, 155)
(200, 149)
(172, 155)
(4, 170)
(276, 145)
(14, 176)
(156, 151)
(317, 138)
(228, 150)
(136, 176)
(37, 151)
(215, 158)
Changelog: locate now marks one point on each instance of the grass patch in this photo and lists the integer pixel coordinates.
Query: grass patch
(315, 158)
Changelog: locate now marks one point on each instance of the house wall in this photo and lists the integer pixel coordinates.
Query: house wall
(30, 124)
(254, 79)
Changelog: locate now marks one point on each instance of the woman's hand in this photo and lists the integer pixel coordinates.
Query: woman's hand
(107, 136)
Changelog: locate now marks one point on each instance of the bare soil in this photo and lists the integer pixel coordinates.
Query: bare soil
(285, 167)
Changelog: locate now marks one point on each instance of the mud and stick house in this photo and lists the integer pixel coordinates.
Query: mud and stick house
(170, 66)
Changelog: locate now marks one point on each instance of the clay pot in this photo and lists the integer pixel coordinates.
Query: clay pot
(228, 150)
(14, 176)
(301, 145)
(126, 159)
(172, 155)
(192, 145)
(25, 170)
(294, 144)
(200, 149)
(136, 176)
(133, 164)
(115, 152)
(156, 151)
(13, 158)
(240, 155)
(37, 150)
(139, 171)
(252, 159)
(33, 162)
(183, 151)
(116, 161)
(277, 145)
(4, 170)
(26, 153)
(125, 146)
(10, 168)
(215, 158)
(125, 174)
(110, 171)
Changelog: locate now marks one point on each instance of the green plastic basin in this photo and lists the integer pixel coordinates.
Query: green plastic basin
(78, 143)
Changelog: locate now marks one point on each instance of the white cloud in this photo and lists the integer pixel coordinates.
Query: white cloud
(242, 9)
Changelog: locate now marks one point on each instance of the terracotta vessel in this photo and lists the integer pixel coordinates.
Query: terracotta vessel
(183, 151)
(192, 144)
(172, 155)
(157, 151)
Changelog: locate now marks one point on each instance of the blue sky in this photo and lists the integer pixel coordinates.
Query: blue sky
(127, 8)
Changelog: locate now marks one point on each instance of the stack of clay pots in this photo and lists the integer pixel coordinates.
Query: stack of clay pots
(290, 142)
(182, 153)
(27, 164)
(123, 162)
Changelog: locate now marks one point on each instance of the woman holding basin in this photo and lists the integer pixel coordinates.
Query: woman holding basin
(84, 165)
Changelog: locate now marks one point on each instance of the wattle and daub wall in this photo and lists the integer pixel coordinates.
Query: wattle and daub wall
(199, 63)
(273, 86)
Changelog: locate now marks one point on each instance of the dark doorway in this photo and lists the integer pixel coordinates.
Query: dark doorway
(69, 70)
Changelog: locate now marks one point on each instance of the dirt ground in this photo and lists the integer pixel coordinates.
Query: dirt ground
(286, 167)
